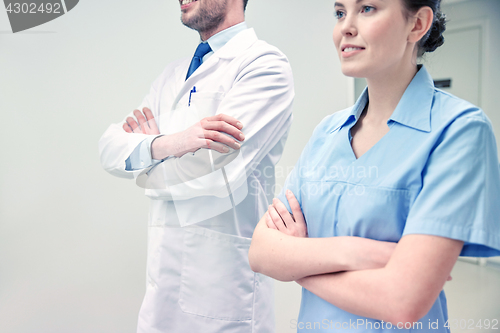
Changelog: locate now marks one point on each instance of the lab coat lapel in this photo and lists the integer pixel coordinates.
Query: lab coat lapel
(237, 45)
(180, 82)
(187, 85)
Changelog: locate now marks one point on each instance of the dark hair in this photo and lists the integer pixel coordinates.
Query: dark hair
(245, 4)
(434, 37)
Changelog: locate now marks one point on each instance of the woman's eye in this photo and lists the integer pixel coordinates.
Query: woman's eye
(339, 14)
(367, 9)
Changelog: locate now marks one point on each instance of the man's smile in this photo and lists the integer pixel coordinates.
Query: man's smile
(186, 3)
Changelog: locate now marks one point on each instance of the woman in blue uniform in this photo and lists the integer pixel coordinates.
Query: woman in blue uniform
(408, 165)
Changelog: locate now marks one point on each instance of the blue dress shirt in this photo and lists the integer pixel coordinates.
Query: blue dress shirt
(435, 172)
(141, 156)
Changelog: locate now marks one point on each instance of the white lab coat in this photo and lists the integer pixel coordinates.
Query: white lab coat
(200, 227)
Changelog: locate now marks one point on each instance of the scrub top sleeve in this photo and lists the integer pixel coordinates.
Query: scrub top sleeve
(460, 189)
(293, 181)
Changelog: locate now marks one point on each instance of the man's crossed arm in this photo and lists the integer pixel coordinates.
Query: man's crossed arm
(207, 133)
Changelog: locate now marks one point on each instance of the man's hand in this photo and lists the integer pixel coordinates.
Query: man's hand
(208, 133)
(146, 125)
(278, 217)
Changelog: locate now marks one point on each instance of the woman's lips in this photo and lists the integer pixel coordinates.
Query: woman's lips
(351, 50)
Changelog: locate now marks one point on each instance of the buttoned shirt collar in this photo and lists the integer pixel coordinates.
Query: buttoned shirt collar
(220, 39)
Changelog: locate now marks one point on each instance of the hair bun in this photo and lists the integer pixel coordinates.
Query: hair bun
(435, 36)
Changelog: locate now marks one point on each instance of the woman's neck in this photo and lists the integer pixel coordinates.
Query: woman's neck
(385, 92)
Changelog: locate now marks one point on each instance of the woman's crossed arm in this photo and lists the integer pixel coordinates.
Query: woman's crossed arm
(284, 252)
(395, 283)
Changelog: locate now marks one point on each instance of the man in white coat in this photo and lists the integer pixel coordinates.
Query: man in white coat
(204, 143)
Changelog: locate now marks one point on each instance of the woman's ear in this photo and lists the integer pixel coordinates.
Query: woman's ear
(422, 23)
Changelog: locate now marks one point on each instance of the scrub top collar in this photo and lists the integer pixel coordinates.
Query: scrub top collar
(413, 110)
(355, 112)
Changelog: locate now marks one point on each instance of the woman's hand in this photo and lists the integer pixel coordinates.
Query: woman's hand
(278, 217)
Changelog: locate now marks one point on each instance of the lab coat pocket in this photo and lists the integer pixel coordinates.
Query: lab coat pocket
(206, 103)
(186, 113)
(216, 279)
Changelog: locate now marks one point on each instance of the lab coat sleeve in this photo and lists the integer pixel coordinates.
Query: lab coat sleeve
(461, 187)
(261, 98)
(116, 145)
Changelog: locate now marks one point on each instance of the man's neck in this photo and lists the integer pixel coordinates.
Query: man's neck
(228, 23)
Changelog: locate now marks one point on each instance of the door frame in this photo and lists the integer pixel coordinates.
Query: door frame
(482, 24)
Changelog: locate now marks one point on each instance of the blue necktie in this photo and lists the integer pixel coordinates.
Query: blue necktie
(201, 51)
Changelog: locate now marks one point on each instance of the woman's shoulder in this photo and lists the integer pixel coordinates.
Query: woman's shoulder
(461, 126)
(449, 109)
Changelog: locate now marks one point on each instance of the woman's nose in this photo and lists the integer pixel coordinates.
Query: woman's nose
(349, 27)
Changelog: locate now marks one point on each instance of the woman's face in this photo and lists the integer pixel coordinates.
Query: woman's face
(371, 36)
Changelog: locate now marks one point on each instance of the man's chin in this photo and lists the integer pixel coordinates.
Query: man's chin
(192, 22)
(186, 20)
(188, 24)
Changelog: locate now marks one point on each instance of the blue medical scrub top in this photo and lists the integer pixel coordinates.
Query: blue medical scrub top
(435, 172)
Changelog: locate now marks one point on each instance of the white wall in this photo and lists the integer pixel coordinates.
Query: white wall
(73, 238)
